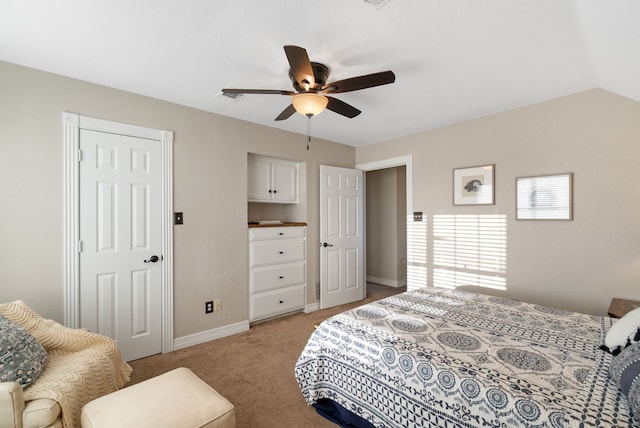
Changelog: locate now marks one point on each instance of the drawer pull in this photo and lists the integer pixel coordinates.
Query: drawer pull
(281, 233)
(281, 301)
(281, 252)
(281, 277)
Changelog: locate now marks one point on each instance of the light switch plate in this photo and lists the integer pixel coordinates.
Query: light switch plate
(178, 218)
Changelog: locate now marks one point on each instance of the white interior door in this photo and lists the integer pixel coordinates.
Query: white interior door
(341, 236)
(121, 240)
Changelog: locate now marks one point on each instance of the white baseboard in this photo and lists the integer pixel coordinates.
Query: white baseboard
(311, 307)
(209, 335)
(387, 282)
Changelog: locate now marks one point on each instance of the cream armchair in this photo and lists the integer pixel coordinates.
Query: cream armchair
(82, 366)
(15, 413)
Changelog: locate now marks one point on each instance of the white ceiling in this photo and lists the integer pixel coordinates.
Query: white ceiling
(454, 59)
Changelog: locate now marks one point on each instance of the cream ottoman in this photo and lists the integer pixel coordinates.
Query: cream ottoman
(177, 399)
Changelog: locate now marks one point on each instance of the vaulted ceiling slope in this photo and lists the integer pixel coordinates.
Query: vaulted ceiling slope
(454, 60)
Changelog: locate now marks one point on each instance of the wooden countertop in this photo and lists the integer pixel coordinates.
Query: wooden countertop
(285, 224)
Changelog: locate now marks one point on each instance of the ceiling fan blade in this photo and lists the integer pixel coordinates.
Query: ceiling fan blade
(342, 108)
(300, 66)
(360, 82)
(286, 113)
(257, 91)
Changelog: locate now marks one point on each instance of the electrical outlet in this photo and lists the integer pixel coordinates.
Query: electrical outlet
(208, 307)
(217, 305)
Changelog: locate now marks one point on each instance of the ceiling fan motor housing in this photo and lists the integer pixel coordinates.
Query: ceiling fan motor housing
(320, 75)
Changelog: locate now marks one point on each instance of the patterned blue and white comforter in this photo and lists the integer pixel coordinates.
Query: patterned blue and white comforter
(448, 358)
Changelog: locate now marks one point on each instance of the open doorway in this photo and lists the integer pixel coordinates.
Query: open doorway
(386, 226)
(406, 162)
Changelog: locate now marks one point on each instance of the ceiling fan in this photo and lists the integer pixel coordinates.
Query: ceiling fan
(311, 88)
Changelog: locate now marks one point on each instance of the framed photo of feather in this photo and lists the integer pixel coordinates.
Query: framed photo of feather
(474, 185)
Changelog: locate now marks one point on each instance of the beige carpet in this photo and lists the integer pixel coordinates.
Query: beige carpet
(254, 369)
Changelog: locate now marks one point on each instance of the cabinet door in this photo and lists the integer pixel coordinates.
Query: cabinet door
(285, 181)
(259, 180)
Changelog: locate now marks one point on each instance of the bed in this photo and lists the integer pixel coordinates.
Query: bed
(451, 358)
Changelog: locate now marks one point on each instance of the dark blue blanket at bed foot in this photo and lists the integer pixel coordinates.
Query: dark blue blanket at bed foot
(339, 415)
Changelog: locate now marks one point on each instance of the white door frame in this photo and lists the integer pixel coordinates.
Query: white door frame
(406, 161)
(72, 124)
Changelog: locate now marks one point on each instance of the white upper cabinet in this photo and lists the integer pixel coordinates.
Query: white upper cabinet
(259, 179)
(272, 180)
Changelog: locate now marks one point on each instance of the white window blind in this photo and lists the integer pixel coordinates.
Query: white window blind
(544, 198)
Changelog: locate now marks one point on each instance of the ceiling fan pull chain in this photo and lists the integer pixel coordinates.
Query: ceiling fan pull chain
(308, 130)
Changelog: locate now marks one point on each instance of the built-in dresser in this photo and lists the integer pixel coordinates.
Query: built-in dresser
(277, 269)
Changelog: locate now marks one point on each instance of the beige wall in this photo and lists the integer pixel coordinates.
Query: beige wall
(386, 226)
(580, 264)
(210, 164)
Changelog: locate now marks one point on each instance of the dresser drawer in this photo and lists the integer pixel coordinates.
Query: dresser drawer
(275, 302)
(267, 233)
(269, 278)
(276, 252)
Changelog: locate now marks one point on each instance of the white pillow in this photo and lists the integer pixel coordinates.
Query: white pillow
(623, 333)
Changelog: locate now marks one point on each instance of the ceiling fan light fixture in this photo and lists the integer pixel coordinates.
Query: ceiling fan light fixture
(309, 103)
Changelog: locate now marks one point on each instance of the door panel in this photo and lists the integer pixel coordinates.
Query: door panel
(259, 179)
(352, 278)
(107, 194)
(139, 216)
(105, 298)
(352, 216)
(333, 216)
(120, 229)
(333, 270)
(342, 230)
(140, 303)
(284, 182)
